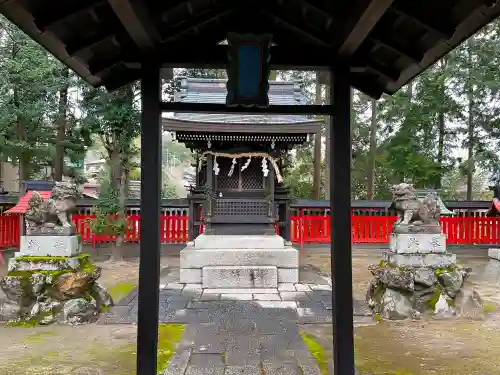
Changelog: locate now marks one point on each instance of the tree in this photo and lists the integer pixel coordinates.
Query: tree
(114, 117)
(373, 150)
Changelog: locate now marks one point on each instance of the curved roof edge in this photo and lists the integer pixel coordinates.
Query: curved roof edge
(175, 124)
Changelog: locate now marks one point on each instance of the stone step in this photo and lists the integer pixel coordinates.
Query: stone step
(286, 257)
(240, 277)
(232, 242)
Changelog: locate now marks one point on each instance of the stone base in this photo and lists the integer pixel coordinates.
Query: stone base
(233, 242)
(45, 290)
(408, 292)
(440, 260)
(235, 261)
(39, 263)
(421, 243)
(49, 246)
(240, 277)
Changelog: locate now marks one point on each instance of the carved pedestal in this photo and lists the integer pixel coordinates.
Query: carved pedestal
(66, 246)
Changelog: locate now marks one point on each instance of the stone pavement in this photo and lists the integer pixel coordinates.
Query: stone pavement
(240, 331)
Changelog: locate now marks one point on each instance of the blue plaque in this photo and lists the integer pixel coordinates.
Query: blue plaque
(248, 70)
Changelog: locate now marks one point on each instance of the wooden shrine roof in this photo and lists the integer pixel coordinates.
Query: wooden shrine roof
(199, 90)
(386, 42)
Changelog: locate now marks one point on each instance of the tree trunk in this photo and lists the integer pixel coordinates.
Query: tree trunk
(116, 169)
(470, 130)
(328, 120)
(61, 127)
(440, 154)
(441, 128)
(317, 148)
(23, 159)
(373, 151)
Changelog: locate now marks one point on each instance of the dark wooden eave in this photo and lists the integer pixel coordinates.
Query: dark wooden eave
(173, 124)
(386, 42)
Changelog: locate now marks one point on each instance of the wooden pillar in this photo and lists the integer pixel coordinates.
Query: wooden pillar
(340, 208)
(191, 219)
(209, 192)
(270, 190)
(149, 267)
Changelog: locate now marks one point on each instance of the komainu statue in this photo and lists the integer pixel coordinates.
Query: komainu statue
(53, 216)
(412, 211)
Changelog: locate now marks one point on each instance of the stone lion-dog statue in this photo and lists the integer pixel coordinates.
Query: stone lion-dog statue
(53, 216)
(411, 210)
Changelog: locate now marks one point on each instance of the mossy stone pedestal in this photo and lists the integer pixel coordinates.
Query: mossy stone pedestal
(48, 289)
(418, 276)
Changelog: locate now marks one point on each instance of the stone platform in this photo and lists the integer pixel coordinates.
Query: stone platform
(239, 261)
(188, 303)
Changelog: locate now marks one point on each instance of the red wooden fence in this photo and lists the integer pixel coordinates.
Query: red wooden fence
(304, 229)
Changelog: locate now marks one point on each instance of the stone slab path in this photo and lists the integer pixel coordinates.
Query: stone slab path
(240, 331)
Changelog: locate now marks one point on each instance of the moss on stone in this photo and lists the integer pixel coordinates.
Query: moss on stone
(51, 259)
(120, 290)
(316, 351)
(489, 307)
(26, 275)
(39, 337)
(431, 302)
(168, 337)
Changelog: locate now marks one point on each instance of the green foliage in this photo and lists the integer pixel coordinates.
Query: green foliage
(168, 191)
(109, 219)
(29, 106)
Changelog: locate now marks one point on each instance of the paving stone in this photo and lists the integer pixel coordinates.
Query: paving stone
(274, 368)
(310, 304)
(243, 351)
(240, 297)
(240, 291)
(305, 315)
(196, 370)
(176, 305)
(286, 287)
(129, 297)
(321, 287)
(277, 304)
(192, 293)
(174, 286)
(186, 316)
(177, 298)
(208, 341)
(328, 304)
(243, 370)
(188, 337)
(171, 292)
(192, 287)
(209, 297)
(319, 296)
(178, 363)
(206, 360)
(294, 296)
(267, 297)
(311, 370)
(302, 288)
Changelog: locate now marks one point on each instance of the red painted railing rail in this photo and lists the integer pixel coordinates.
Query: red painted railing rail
(303, 229)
